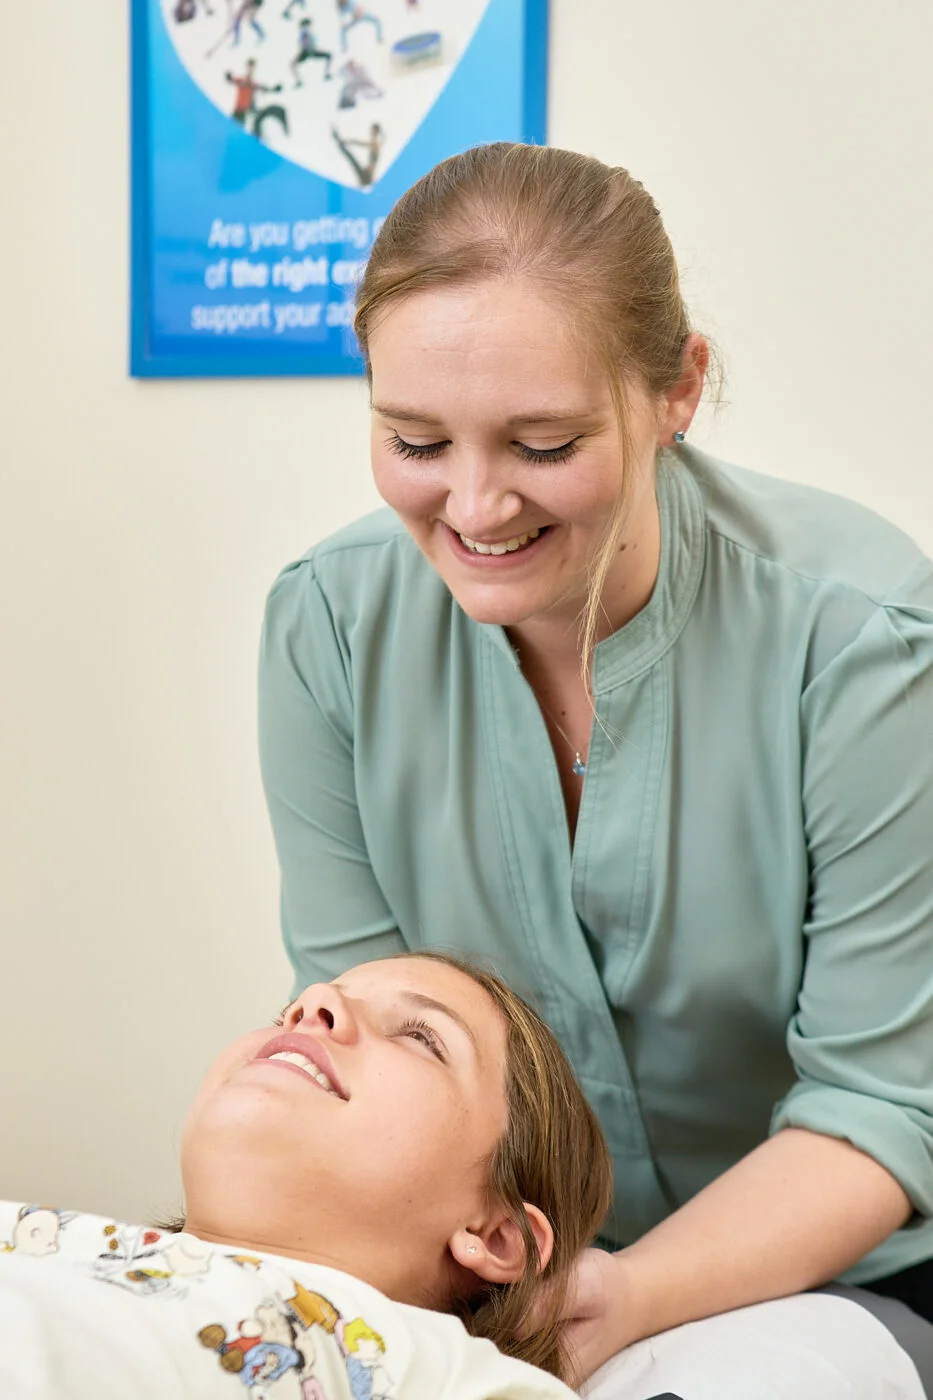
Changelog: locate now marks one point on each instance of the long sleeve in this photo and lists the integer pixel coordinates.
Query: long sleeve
(333, 912)
(862, 1036)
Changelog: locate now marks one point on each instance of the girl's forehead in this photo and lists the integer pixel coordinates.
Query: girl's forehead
(431, 985)
(410, 974)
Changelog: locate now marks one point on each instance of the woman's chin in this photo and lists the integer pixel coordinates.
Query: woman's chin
(495, 612)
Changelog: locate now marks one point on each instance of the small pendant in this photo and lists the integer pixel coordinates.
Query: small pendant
(579, 767)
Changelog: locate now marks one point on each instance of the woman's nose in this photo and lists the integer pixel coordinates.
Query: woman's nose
(480, 501)
(323, 1007)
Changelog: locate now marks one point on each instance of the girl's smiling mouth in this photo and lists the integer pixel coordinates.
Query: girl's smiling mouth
(304, 1055)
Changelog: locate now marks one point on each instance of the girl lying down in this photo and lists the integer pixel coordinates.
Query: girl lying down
(399, 1168)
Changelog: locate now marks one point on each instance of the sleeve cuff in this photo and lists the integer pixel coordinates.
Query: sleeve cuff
(899, 1138)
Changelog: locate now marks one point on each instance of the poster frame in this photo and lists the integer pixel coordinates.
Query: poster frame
(143, 362)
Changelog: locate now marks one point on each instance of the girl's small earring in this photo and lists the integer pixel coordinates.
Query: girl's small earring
(471, 1249)
(679, 436)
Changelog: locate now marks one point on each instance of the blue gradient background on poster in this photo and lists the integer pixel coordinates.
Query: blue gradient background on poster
(193, 164)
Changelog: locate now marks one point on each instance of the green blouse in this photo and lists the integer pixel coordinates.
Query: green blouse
(741, 938)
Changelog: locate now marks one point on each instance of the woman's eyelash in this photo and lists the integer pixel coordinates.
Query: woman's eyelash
(563, 453)
(416, 1029)
(425, 452)
(421, 453)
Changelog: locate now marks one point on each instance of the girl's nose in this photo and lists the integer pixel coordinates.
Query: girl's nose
(323, 1007)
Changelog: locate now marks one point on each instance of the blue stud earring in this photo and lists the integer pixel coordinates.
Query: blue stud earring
(679, 436)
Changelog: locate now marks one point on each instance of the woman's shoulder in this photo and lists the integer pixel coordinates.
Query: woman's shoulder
(352, 559)
(803, 534)
(367, 581)
(365, 540)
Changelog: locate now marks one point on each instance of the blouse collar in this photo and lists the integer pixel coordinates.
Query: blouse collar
(650, 633)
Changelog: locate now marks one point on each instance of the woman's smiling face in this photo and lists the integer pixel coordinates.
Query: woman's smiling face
(494, 438)
(361, 1126)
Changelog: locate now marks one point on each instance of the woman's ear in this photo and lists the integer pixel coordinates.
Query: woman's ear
(495, 1251)
(679, 404)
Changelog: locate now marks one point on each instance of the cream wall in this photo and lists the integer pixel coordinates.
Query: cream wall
(789, 148)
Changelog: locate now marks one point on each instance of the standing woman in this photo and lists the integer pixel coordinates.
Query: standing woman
(652, 732)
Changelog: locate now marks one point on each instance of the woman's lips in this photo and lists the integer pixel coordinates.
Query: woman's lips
(507, 559)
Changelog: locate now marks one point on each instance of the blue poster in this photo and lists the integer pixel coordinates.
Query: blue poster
(270, 140)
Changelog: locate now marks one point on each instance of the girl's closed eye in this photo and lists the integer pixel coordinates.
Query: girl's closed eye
(422, 1032)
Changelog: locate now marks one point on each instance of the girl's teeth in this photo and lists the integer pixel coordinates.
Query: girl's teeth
(503, 546)
(302, 1062)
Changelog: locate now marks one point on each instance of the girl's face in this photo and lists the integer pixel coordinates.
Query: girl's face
(495, 440)
(358, 1133)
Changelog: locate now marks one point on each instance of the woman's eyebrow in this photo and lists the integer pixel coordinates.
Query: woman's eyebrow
(544, 415)
(404, 415)
(552, 415)
(427, 1003)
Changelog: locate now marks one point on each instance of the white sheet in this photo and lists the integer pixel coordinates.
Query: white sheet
(814, 1346)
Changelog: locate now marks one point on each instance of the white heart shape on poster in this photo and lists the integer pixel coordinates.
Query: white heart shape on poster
(337, 86)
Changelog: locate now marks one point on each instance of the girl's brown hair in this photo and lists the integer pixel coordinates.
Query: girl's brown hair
(587, 234)
(552, 1155)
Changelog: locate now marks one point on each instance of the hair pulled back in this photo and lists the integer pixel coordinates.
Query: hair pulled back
(587, 235)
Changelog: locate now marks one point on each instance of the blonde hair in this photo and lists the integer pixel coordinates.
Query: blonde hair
(359, 1331)
(552, 1155)
(588, 234)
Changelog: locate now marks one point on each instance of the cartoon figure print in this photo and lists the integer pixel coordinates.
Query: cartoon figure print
(257, 1360)
(369, 1379)
(146, 1261)
(37, 1230)
(273, 1352)
(277, 1356)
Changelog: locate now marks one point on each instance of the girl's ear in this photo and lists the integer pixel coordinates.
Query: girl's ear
(495, 1252)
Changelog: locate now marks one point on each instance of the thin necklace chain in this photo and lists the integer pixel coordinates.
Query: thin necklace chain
(579, 762)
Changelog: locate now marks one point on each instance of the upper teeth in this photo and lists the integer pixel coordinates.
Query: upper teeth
(503, 546)
(302, 1061)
